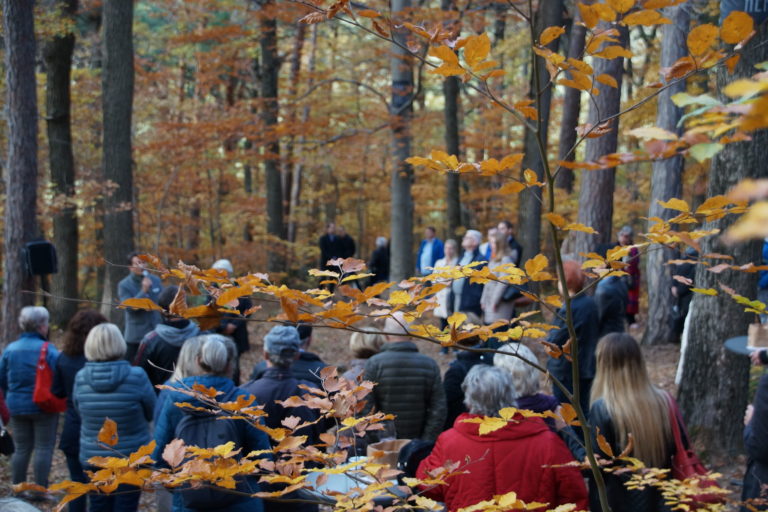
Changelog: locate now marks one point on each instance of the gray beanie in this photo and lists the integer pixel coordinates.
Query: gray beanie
(282, 340)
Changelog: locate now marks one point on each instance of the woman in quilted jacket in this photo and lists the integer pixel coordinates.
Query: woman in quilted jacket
(524, 456)
(109, 387)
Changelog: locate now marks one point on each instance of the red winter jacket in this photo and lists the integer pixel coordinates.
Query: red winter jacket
(514, 458)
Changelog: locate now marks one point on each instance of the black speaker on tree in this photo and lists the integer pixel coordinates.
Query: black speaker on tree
(40, 257)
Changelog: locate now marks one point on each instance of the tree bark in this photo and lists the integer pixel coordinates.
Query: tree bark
(270, 67)
(535, 141)
(666, 183)
(21, 168)
(58, 60)
(451, 95)
(713, 389)
(571, 111)
(117, 100)
(401, 262)
(597, 187)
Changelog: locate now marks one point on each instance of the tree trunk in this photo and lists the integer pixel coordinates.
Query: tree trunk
(293, 81)
(270, 67)
(666, 183)
(58, 61)
(535, 142)
(401, 248)
(571, 111)
(21, 168)
(451, 92)
(713, 389)
(597, 187)
(117, 84)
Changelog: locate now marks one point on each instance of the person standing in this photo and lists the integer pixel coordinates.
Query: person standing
(235, 324)
(109, 387)
(466, 295)
(138, 284)
(430, 250)
(756, 441)
(33, 429)
(444, 306)
(505, 228)
(347, 243)
(498, 299)
(307, 365)
(330, 246)
(70, 361)
(379, 262)
(633, 279)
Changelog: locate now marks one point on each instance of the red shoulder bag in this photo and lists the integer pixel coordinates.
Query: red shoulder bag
(42, 396)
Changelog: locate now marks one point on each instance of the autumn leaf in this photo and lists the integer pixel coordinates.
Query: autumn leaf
(613, 52)
(513, 187)
(574, 226)
(536, 264)
(652, 132)
(549, 34)
(174, 452)
(179, 304)
(675, 204)
(607, 80)
(701, 39)
(487, 424)
(603, 444)
(477, 49)
(645, 17)
(146, 304)
(736, 27)
(233, 293)
(704, 291)
(568, 413)
(108, 433)
(558, 220)
(621, 6)
(368, 13)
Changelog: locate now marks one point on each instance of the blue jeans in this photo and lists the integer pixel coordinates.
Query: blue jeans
(76, 474)
(33, 432)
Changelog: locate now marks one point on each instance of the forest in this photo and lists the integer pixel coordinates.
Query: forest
(188, 131)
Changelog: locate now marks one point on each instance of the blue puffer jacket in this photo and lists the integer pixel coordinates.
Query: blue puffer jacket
(115, 390)
(17, 372)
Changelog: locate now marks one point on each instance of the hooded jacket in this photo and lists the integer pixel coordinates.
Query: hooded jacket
(115, 390)
(159, 350)
(17, 372)
(518, 457)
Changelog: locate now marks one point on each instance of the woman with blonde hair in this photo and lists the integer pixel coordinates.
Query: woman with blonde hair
(625, 403)
(363, 346)
(495, 302)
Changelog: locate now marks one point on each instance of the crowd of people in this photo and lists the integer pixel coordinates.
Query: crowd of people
(104, 372)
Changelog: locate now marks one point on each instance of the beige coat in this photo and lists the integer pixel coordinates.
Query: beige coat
(494, 308)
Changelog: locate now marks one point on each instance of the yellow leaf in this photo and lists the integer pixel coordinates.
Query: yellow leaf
(530, 177)
(744, 87)
(550, 34)
(612, 52)
(456, 319)
(513, 187)
(676, 204)
(230, 294)
(510, 161)
(604, 12)
(701, 39)
(448, 70)
(445, 54)
(536, 264)
(736, 27)
(652, 132)
(588, 15)
(575, 226)
(646, 17)
(621, 6)
(477, 49)
(704, 291)
(607, 80)
(140, 304)
(554, 300)
(487, 424)
(399, 297)
(108, 433)
(558, 220)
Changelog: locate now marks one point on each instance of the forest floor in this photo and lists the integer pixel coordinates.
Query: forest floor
(332, 346)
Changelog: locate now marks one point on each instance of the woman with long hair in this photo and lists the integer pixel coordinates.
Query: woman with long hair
(494, 301)
(625, 403)
(451, 258)
(71, 360)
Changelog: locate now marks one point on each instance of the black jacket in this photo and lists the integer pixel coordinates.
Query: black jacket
(471, 292)
(159, 350)
(611, 298)
(331, 247)
(63, 384)
(620, 498)
(379, 265)
(454, 377)
(756, 444)
(585, 320)
(240, 334)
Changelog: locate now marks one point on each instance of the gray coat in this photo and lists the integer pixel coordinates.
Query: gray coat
(139, 322)
(118, 391)
(408, 386)
(494, 308)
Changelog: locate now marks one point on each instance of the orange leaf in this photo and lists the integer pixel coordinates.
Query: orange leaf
(621, 6)
(569, 414)
(589, 15)
(603, 444)
(646, 17)
(701, 39)
(607, 80)
(290, 308)
(368, 13)
(147, 304)
(231, 294)
(737, 27)
(179, 304)
(108, 433)
(550, 34)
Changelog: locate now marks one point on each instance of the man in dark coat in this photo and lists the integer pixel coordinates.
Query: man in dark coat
(379, 263)
(348, 246)
(331, 246)
(277, 383)
(611, 296)
(408, 385)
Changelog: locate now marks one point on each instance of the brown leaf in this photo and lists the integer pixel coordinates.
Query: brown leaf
(232, 294)
(179, 304)
(174, 452)
(108, 433)
(603, 444)
(569, 414)
(147, 304)
(290, 308)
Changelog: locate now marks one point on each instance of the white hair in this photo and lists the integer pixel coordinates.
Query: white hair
(478, 236)
(32, 318)
(525, 378)
(381, 241)
(105, 342)
(186, 364)
(488, 389)
(215, 355)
